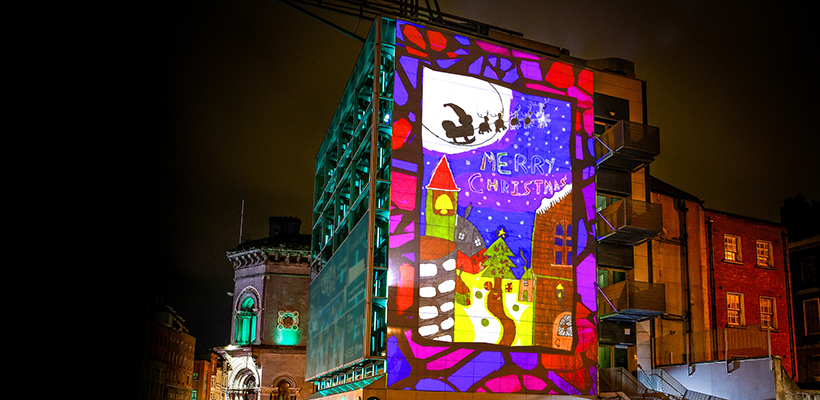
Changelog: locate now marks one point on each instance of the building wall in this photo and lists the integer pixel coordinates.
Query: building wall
(285, 365)
(804, 254)
(286, 305)
(169, 359)
(275, 271)
(752, 281)
(802, 218)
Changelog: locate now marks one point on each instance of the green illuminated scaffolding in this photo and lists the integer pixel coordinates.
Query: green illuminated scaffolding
(353, 176)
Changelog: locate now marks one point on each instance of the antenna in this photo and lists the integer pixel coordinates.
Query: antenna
(241, 220)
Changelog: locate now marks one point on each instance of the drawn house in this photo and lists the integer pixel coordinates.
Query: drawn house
(552, 271)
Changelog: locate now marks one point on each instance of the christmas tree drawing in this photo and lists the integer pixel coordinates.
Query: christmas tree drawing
(498, 263)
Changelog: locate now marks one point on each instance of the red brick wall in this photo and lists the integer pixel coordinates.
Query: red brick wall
(747, 278)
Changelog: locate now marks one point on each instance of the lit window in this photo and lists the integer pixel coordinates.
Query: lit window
(768, 317)
(811, 316)
(764, 253)
(734, 307)
(246, 321)
(731, 248)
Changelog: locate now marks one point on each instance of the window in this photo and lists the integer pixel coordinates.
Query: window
(811, 316)
(764, 254)
(768, 314)
(608, 277)
(563, 243)
(196, 376)
(734, 308)
(284, 391)
(808, 267)
(731, 248)
(246, 321)
(814, 368)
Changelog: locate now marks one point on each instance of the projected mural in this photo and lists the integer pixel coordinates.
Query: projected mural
(492, 261)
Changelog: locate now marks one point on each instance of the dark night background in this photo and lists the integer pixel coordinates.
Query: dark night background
(246, 91)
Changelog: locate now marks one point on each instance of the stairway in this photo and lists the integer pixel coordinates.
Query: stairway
(654, 384)
(660, 380)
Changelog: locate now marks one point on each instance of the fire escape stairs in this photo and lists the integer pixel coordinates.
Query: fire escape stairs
(657, 384)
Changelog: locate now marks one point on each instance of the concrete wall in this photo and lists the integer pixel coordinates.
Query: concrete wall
(748, 379)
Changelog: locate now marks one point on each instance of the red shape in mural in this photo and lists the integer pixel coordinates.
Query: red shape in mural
(405, 289)
(585, 81)
(560, 75)
(401, 129)
(437, 41)
(414, 35)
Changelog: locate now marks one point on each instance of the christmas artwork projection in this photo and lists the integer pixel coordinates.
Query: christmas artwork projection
(492, 261)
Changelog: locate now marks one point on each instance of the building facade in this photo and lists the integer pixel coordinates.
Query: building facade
(209, 377)
(751, 292)
(455, 227)
(266, 356)
(168, 356)
(485, 222)
(802, 218)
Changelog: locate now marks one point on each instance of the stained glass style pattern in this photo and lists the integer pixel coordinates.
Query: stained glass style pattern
(491, 266)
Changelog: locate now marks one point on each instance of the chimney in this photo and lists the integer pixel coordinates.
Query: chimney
(284, 225)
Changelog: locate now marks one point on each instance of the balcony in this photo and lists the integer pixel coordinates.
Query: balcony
(631, 301)
(629, 222)
(614, 182)
(615, 255)
(628, 146)
(617, 332)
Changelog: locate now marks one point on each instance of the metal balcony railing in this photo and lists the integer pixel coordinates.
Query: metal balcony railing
(629, 222)
(618, 379)
(661, 381)
(628, 146)
(632, 301)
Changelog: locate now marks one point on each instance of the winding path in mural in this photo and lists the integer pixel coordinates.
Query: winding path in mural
(495, 305)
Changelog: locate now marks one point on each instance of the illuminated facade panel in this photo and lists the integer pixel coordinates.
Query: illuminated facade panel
(492, 247)
(461, 174)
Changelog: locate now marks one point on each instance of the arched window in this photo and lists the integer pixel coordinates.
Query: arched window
(562, 332)
(284, 390)
(246, 321)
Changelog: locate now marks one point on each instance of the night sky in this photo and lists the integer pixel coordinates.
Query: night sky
(246, 91)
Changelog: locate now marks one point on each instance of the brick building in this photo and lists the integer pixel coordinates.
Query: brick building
(209, 377)
(552, 271)
(168, 356)
(751, 293)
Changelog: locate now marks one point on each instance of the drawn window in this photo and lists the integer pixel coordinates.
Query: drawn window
(731, 248)
(565, 326)
(734, 308)
(764, 253)
(563, 243)
(768, 316)
(811, 316)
